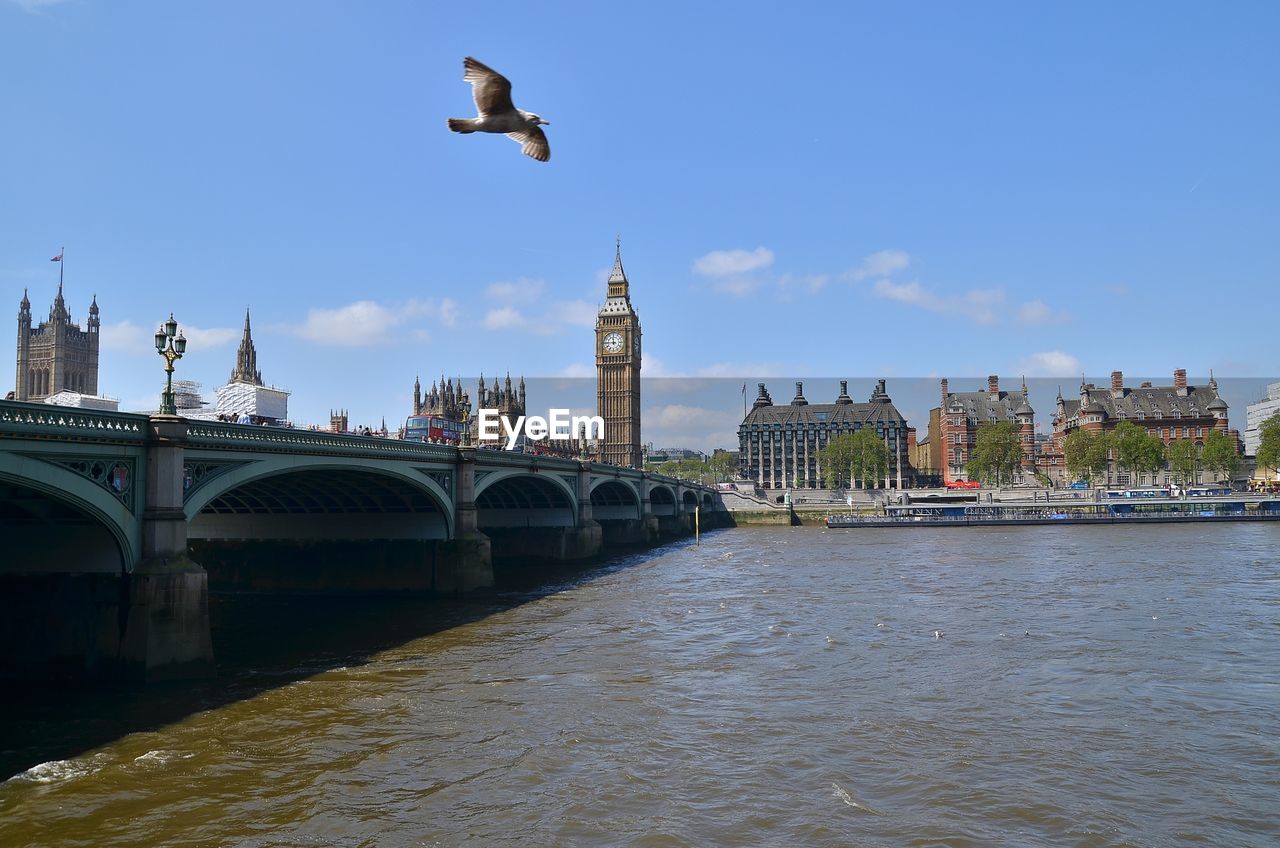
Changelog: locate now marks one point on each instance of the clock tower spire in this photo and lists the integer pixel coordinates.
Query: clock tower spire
(618, 371)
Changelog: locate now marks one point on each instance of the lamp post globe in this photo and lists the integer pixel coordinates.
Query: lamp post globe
(465, 408)
(170, 344)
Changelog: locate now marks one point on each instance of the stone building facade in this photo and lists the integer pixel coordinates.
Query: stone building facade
(778, 446)
(445, 399)
(1173, 412)
(56, 355)
(953, 425)
(618, 372)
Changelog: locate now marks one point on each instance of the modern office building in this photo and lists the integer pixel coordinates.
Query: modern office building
(1255, 414)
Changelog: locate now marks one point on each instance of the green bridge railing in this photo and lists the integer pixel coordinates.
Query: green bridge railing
(213, 434)
(44, 421)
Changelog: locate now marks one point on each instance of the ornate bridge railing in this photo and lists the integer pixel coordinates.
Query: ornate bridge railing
(44, 421)
(488, 458)
(249, 437)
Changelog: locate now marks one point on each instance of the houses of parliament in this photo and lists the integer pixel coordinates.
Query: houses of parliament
(56, 355)
(617, 352)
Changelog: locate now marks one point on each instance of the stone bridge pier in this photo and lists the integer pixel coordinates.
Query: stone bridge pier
(100, 584)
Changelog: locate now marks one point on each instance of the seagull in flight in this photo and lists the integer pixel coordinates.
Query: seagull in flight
(497, 114)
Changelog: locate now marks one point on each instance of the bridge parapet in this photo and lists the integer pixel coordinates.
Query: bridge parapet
(526, 461)
(44, 421)
(249, 437)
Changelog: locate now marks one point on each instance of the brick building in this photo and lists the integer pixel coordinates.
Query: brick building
(953, 426)
(1178, 411)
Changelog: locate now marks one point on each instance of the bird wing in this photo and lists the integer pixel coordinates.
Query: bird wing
(533, 142)
(491, 90)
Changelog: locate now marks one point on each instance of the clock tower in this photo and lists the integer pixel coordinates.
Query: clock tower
(618, 371)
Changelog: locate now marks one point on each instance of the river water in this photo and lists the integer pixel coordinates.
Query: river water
(1086, 686)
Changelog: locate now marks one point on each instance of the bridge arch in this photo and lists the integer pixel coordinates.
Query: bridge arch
(614, 500)
(63, 522)
(707, 501)
(662, 500)
(270, 499)
(524, 499)
(597, 482)
(689, 498)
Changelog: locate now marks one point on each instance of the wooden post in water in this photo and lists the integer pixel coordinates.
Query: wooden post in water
(697, 524)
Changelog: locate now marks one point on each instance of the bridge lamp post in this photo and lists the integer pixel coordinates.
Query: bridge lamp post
(465, 406)
(170, 344)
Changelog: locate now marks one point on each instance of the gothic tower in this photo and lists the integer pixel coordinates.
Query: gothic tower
(618, 371)
(21, 391)
(246, 370)
(56, 355)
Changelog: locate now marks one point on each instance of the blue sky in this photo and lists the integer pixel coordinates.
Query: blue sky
(835, 190)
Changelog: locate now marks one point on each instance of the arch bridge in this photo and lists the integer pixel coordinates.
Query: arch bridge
(104, 510)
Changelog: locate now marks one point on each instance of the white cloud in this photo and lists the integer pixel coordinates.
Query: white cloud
(201, 339)
(724, 263)
(1050, 363)
(578, 370)
(517, 292)
(736, 286)
(1037, 312)
(882, 263)
(739, 369)
(678, 425)
(676, 415)
(977, 304)
(35, 6)
(576, 313)
(654, 367)
(126, 337)
(367, 322)
(808, 282)
(503, 318)
(448, 311)
(356, 324)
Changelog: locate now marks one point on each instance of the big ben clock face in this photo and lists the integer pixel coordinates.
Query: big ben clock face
(613, 343)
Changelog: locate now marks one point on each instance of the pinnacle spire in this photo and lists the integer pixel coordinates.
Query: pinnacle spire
(617, 275)
(246, 370)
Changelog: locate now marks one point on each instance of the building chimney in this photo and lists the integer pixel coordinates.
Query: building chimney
(993, 386)
(1117, 384)
(799, 400)
(944, 394)
(1180, 380)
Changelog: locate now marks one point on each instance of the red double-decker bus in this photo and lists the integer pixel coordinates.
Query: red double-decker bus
(432, 428)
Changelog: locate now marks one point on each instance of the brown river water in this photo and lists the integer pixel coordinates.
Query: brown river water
(1087, 686)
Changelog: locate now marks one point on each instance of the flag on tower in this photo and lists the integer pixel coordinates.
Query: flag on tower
(57, 258)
